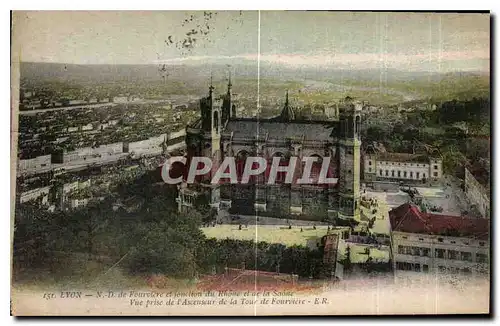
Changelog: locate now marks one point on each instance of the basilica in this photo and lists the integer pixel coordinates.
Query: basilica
(218, 133)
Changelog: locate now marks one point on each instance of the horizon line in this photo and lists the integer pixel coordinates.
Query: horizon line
(465, 70)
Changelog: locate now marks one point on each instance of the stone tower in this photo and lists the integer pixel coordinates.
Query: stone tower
(203, 139)
(211, 112)
(350, 159)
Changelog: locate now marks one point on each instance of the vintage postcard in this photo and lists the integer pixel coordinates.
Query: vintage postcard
(250, 163)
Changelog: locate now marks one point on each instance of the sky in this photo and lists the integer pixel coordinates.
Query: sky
(439, 42)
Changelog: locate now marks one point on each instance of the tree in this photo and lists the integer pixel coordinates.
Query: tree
(376, 133)
(167, 246)
(453, 160)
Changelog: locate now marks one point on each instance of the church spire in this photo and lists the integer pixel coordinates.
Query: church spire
(287, 113)
(227, 102)
(229, 85)
(211, 88)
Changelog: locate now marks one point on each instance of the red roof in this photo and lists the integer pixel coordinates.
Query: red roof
(408, 218)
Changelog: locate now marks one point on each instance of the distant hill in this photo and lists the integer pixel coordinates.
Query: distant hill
(246, 67)
(461, 87)
(427, 85)
(116, 73)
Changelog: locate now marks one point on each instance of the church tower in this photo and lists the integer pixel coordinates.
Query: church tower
(350, 159)
(211, 122)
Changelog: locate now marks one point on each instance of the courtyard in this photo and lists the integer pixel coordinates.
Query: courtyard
(448, 196)
(296, 237)
(267, 233)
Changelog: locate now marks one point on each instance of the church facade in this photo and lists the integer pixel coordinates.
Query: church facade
(219, 134)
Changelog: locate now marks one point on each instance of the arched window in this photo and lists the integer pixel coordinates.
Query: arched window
(241, 158)
(216, 121)
(316, 168)
(280, 176)
(357, 129)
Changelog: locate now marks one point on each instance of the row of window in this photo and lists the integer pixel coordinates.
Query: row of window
(405, 164)
(481, 243)
(414, 251)
(442, 253)
(405, 174)
(188, 199)
(261, 178)
(415, 267)
(454, 270)
(453, 254)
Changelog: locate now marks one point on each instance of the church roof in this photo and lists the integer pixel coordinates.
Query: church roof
(402, 157)
(274, 129)
(195, 124)
(287, 114)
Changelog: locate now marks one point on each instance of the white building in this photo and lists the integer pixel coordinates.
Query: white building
(150, 146)
(75, 203)
(87, 127)
(34, 164)
(120, 99)
(422, 242)
(401, 167)
(76, 185)
(477, 194)
(34, 194)
(77, 102)
(86, 155)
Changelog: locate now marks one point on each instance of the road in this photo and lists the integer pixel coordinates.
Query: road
(91, 106)
(64, 108)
